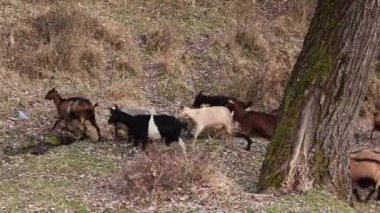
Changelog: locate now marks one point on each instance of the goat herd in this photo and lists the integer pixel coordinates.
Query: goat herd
(221, 113)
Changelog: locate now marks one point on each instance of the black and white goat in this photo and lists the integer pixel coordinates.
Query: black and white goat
(145, 127)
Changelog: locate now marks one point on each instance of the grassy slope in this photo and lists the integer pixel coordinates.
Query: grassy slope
(61, 179)
(193, 47)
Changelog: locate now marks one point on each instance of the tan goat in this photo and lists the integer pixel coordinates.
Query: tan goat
(216, 117)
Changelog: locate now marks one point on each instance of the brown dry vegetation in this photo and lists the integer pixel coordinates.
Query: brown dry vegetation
(160, 173)
(143, 53)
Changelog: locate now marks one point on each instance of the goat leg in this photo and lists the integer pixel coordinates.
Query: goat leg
(183, 147)
(370, 194)
(355, 192)
(167, 141)
(135, 142)
(55, 124)
(83, 132)
(144, 143)
(116, 133)
(246, 137)
(378, 195)
(198, 130)
(93, 122)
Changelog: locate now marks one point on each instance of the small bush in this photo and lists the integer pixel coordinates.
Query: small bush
(159, 173)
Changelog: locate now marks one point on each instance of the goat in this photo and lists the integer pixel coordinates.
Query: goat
(131, 111)
(216, 116)
(218, 100)
(145, 127)
(75, 108)
(365, 171)
(376, 123)
(253, 122)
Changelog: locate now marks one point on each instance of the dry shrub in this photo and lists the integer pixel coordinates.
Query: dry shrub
(302, 10)
(170, 61)
(162, 44)
(160, 39)
(249, 29)
(159, 173)
(372, 102)
(296, 18)
(253, 41)
(125, 92)
(64, 39)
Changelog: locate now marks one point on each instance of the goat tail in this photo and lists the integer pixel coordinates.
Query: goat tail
(95, 105)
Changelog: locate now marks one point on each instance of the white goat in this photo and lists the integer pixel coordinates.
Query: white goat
(216, 117)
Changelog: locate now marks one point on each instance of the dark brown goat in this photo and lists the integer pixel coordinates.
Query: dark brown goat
(75, 108)
(253, 122)
(217, 100)
(376, 123)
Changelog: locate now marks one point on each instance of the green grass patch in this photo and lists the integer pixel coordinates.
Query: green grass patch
(312, 201)
(75, 205)
(55, 181)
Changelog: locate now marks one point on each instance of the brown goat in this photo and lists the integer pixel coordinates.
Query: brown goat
(253, 122)
(75, 108)
(365, 171)
(376, 123)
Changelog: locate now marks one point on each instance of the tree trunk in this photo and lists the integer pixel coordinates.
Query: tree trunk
(326, 89)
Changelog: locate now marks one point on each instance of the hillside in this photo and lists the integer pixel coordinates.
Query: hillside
(149, 54)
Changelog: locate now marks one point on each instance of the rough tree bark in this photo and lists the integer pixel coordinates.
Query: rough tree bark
(326, 88)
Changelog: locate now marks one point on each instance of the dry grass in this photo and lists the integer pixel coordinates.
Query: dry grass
(372, 102)
(125, 92)
(164, 47)
(264, 47)
(302, 11)
(158, 173)
(69, 40)
(241, 48)
(248, 38)
(160, 39)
